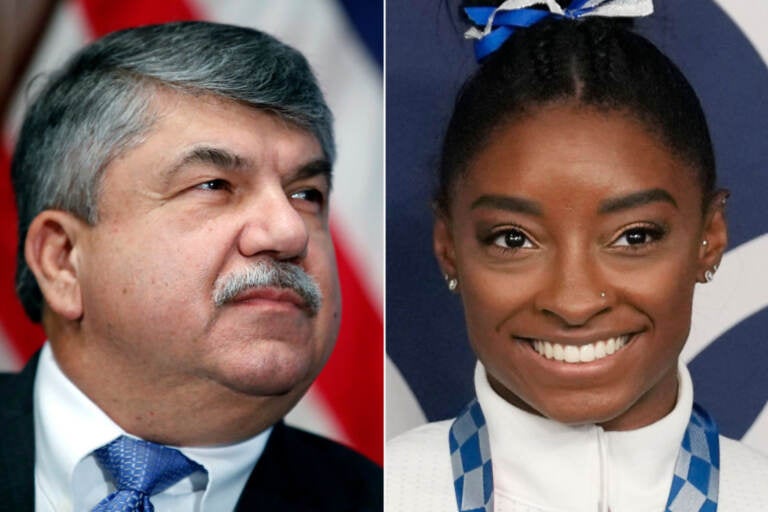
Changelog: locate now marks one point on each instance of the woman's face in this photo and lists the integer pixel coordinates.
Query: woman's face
(576, 237)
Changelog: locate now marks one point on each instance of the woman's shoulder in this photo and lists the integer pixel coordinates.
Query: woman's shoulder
(417, 470)
(743, 477)
(431, 433)
(426, 445)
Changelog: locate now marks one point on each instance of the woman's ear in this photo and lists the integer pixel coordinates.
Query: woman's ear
(442, 241)
(714, 237)
(51, 250)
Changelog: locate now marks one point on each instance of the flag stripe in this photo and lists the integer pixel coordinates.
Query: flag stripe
(353, 379)
(105, 16)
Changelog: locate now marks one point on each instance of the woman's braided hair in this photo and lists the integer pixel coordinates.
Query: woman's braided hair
(595, 62)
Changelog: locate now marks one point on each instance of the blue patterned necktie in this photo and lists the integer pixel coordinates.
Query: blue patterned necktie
(140, 469)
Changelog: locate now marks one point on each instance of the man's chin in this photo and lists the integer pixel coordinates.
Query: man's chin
(273, 388)
(293, 377)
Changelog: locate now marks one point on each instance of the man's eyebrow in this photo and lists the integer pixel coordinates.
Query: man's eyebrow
(636, 199)
(509, 203)
(227, 160)
(209, 155)
(318, 167)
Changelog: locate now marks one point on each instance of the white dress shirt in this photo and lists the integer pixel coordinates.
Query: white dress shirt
(69, 427)
(540, 465)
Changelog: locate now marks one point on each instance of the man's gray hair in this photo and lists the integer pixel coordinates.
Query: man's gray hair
(97, 107)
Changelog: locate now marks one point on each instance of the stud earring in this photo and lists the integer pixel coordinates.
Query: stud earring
(452, 282)
(705, 243)
(709, 275)
(602, 295)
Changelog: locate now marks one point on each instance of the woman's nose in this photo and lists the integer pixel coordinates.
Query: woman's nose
(574, 291)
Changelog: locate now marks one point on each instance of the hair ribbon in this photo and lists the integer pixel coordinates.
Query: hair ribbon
(501, 22)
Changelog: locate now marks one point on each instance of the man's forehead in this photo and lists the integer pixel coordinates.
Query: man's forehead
(232, 146)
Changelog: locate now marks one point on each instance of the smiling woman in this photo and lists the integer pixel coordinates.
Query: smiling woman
(594, 237)
(576, 210)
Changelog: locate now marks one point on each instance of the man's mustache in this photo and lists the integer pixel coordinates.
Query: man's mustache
(269, 274)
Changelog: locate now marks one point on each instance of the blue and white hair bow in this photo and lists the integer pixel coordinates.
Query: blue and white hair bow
(501, 22)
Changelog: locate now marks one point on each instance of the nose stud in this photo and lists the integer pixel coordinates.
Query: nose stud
(602, 295)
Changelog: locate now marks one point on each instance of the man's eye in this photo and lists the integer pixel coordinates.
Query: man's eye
(638, 236)
(311, 195)
(512, 239)
(216, 184)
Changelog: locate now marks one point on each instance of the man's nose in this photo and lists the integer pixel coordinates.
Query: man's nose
(574, 291)
(273, 227)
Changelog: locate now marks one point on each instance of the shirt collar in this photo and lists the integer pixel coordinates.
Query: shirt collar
(69, 427)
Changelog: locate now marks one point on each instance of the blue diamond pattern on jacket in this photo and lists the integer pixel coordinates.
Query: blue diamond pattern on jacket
(471, 460)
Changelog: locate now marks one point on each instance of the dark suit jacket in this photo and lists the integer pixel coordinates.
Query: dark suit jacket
(298, 471)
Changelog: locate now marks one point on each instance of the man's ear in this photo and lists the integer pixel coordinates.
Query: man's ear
(714, 237)
(51, 250)
(442, 242)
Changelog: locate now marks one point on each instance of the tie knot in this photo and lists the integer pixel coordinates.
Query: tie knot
(143, 466)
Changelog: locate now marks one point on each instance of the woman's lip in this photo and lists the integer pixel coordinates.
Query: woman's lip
(582, 352)
(580, 340)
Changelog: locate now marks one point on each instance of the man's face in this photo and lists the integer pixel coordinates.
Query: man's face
(214, 189)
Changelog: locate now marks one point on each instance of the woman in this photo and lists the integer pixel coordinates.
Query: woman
(577, 208)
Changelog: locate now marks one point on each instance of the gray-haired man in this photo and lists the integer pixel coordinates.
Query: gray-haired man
(173, 185)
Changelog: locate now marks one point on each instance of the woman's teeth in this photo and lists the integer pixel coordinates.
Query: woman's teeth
(582, 353)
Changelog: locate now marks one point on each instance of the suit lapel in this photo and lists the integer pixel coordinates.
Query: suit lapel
(273, 484)
(17, 439)
(278, 482)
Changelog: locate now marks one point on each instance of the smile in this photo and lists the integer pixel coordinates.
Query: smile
(581, 353)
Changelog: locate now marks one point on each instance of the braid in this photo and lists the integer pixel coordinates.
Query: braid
(598, 58)
(595, 61)
(543, 60)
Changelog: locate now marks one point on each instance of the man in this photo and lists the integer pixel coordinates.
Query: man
(173, 185)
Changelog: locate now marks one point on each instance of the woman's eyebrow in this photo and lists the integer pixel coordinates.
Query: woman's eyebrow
(509, 203)
(635, 199)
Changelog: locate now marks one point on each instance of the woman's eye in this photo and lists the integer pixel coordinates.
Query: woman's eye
(512, 239)
(638, 236)
(216, 184)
